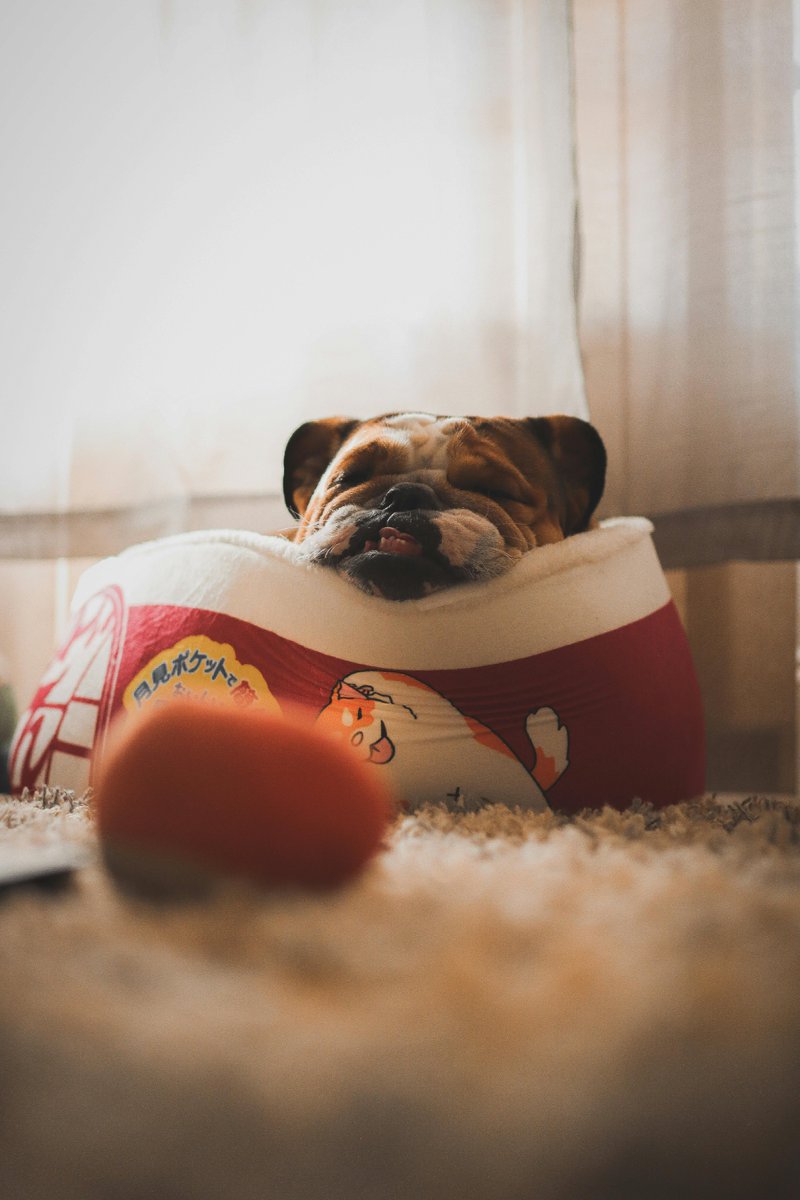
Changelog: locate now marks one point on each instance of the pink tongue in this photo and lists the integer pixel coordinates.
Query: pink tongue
(394, 542)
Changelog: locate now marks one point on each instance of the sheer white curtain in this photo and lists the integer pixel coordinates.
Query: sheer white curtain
(222, 217)
(688, 138)
(687, 116)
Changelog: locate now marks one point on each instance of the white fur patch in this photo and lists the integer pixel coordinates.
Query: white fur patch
(425, 438)
(470, 542)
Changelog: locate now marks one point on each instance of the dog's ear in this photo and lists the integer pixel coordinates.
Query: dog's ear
(308, 452)
(579, 456)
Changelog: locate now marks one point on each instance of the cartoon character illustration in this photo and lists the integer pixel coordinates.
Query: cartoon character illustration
(434, 751)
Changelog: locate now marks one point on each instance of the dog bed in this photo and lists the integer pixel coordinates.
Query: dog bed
(566, 680)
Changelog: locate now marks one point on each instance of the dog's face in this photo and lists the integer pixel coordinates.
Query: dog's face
(407, 504)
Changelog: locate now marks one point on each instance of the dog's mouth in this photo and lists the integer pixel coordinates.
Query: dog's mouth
(393, 541)
(408, 555)
(399, 561)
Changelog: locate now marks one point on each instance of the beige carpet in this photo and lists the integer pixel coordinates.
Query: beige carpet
(503, 1006)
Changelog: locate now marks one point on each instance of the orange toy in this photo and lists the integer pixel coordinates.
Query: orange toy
(189, 789)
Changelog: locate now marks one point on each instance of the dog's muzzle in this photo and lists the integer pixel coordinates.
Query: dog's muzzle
(395, 551)
(408, 545)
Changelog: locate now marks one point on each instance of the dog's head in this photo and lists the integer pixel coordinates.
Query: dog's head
(409, 503)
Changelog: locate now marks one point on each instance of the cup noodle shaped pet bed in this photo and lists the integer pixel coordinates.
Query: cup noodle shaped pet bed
(567, 682)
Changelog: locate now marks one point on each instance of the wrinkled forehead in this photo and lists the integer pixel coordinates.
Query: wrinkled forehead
(410, 441)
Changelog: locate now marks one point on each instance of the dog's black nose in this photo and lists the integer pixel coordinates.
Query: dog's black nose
(410, 497)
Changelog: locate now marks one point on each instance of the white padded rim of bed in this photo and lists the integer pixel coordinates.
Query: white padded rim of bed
(589, 584)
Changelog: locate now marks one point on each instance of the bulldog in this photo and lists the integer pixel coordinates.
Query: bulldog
(406, 504)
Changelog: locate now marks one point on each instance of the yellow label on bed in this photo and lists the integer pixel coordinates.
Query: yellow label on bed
(198, 668)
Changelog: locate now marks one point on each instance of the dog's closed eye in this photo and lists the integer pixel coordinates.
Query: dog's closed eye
(492, 493)
(351, 477)
(496, 486)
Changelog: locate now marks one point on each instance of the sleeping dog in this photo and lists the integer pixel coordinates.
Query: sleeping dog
(409, 503)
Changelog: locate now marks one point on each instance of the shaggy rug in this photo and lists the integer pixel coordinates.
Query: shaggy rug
(503, 1005)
